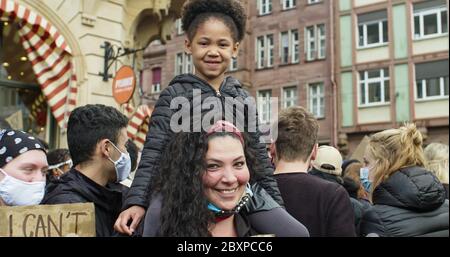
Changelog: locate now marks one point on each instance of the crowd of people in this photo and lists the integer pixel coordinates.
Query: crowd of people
(222, 180)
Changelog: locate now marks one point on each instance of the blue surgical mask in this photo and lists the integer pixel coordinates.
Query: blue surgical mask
(16, 192)
(364, 177)
(122, 165)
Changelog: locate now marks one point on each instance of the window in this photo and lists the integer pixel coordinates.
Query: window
(372, 29)
(289, 47)
(289, 4)
(270, 47)
(264, 6)
(233, 64)
(315, 46)
(314, 1)
(317, 100)
(183, 63)
(284, 47)
(432, 80)
(178, 27)
(264, 47)
(374, 87)
(264, 106)
(321, 41)
(289, 97)
(156, 80)
(189, 68)
(295, 46)
(430, 19)
(179, 64)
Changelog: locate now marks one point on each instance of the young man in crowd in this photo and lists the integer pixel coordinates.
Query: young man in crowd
(322, 206)
(97, 139)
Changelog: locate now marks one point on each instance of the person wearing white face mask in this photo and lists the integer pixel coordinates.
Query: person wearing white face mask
(23, 164)
(96, 136)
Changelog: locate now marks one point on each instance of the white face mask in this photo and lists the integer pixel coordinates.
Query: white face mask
(16, 192)
(122, 165)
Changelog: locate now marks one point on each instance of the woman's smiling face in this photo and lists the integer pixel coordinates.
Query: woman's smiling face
(227, 173)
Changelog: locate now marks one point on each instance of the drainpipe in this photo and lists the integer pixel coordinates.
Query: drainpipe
(333, 82)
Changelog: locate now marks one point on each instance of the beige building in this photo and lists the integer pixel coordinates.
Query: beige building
(392, 67)
(78, 31)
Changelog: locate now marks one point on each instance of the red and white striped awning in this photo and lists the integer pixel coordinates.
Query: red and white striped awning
(138, 123)
(50, 56)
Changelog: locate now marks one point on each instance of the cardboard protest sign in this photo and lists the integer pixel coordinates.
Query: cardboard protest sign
(59, 220)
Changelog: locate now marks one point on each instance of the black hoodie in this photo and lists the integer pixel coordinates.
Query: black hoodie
(411, 202)
(160, 132)
(74, 187)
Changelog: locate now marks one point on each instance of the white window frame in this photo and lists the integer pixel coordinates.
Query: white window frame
(264, 106)
(314, 1)
(295, 46)
(288, 4)
(421, 13)
(179, 66)
(264, 51)
(233, 64)
(380, 34)
(366, 81)
(310, 39)
(319, 41)
(156, 88)
(260, 52)
(270, 50)
(318, 95)
(424, 90)
(179, 27)
(184, 63)
(290, 100)
(293, 55)
(188, 66)
(284, 44)
(264, 7)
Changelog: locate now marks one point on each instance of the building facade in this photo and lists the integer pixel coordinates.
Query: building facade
(79, 31)
(286, 54)
(392, 67)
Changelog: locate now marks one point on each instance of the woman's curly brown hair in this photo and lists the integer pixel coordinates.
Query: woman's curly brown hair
(184, 211)
(231, 12)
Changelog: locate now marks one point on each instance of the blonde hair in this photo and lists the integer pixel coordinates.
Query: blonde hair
(436, 155)
(394, 149)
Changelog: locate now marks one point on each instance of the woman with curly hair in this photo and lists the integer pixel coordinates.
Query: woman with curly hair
(203, 187)
(408, 200)
(214, 30)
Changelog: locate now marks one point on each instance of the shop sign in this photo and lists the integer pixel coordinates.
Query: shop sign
(124, 84)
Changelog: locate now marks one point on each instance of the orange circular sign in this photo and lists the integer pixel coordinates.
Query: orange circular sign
(124, 84)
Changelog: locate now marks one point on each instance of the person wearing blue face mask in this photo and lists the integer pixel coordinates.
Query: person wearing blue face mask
(364, 177)
(23, 164)
(408, 200)
(96, 136)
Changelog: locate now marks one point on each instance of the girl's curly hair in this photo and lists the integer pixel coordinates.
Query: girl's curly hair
(231, 12)
(184, 211)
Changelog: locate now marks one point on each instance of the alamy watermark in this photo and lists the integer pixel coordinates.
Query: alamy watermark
(195, 115)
